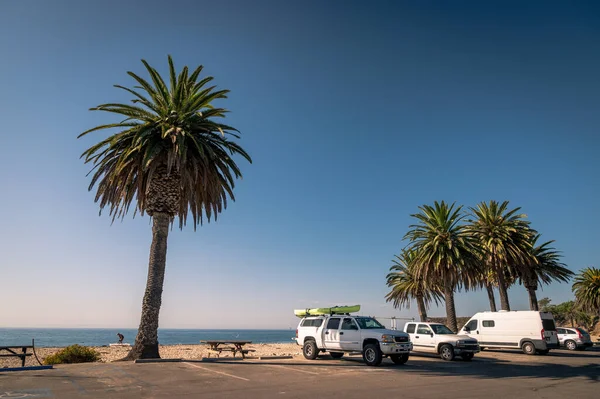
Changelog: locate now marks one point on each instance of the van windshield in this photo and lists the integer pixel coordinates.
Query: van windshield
(366, 323)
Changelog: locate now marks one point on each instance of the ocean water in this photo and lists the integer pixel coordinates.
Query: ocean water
(59, 337)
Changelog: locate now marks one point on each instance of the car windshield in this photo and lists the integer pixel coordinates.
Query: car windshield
(366, 323)
(440, 329)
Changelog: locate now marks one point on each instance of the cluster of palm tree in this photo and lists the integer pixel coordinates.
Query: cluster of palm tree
(487, 246)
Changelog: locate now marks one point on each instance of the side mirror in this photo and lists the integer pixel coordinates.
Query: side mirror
(431, 334)
(467, 329)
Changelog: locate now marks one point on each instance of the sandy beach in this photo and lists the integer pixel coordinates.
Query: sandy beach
(110, 354)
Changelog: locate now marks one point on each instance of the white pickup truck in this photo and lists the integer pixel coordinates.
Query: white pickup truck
(437, 338)
(339, 334)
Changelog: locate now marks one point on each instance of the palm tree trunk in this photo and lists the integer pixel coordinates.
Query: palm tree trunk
(490, 292)
(146, 342)
(533, 303)
(503, 291)
(450, 309)
(422, 309)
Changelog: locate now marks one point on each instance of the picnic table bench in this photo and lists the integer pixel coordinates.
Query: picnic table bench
(13, 351)
(234, 346)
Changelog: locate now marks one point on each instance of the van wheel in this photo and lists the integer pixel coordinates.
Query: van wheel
(399, 359)
(528, 348)
(467, 357)
(336, 355)
(310, 350)
(372, 355)
(447, 352)
(571, 345)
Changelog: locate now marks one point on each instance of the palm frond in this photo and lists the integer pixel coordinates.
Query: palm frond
(587, 290)
(177, 127)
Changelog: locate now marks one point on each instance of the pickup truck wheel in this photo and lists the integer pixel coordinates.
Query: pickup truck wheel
(399, 359)
(447, 352)
(467, 357)
(528, 348)
(336, 355)
(372, 355)
(310, 350)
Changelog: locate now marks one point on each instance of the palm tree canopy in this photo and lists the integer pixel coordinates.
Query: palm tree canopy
(173, 129)
(406, 285)
(587, 289)
(445, 250)
(545, 265)
(503, 235)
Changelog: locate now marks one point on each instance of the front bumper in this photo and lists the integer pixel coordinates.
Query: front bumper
(466, 349)
(395, 348)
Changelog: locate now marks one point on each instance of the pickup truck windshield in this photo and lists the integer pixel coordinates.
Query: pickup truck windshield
(440, 329)
(366, 323)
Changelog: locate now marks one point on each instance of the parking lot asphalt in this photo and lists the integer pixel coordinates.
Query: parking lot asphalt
(491, 374)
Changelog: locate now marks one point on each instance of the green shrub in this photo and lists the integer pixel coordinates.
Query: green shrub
(73, 354)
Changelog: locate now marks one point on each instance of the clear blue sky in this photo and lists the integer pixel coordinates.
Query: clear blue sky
(355, 113)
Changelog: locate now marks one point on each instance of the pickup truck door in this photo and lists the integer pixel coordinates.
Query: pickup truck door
(331, 333)
(349, 335)
(424, 341)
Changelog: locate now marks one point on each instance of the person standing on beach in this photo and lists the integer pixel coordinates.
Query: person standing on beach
(121, 337)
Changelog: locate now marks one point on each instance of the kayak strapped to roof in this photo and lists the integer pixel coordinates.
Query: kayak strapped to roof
(323, 311)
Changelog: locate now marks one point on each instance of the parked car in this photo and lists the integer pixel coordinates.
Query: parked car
(574, 338)
(339, 334)
(532, 332)
(439, 339)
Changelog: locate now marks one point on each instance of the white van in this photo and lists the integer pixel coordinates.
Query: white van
(531, 331)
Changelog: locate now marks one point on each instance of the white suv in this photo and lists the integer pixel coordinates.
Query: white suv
(574, 338)
(339, 334)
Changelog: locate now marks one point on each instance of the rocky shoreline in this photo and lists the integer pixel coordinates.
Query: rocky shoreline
(113, 353)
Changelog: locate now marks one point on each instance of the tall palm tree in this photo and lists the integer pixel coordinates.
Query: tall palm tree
(406, 285)
(445, 251)
(544, 267)
(587, 290)
(170, 157)
(504, 239)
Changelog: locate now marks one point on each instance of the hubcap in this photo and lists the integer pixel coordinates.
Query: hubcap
(309, 350)
(370, 355)
(529, 348)
(570, 345)
(446, 353)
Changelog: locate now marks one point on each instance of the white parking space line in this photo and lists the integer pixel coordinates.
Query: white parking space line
(292, 368)
(217, 372)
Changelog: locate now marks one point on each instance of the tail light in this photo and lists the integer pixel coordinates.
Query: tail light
(543, 337)
(579, 333)
(296, 333)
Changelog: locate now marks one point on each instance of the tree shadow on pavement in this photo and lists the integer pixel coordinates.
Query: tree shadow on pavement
(552, 371)
(589, 353)
(478, 368)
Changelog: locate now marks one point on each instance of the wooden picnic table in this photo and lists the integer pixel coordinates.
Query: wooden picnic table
(232, 345)
(13, 351)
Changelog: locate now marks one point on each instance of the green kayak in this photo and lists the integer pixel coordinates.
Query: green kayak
(322, 311)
